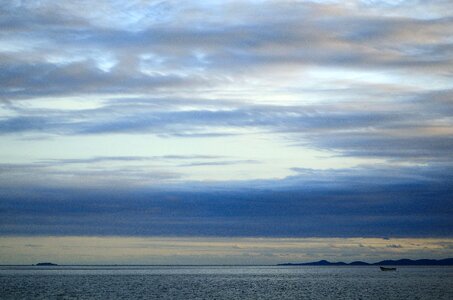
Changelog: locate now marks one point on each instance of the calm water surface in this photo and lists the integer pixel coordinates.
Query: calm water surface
(231, 282)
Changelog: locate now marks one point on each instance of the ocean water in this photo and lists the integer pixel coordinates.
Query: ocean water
(224, 282)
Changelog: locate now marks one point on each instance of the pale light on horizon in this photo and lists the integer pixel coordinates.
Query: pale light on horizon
(212, 250)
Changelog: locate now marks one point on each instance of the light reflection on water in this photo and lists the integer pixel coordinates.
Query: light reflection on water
(224, 282)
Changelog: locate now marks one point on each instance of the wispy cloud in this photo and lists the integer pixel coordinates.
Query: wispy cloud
(411, 130)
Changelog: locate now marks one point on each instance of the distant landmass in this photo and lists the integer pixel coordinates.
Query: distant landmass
(43, 264)
(400, 262)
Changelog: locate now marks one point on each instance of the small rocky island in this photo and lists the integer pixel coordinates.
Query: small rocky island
(45, 264)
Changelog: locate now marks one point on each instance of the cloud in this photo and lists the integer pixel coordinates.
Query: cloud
(410, 130)
(396, 246)
(364, 82)
(44, 79)
(421, 148)
(387, 202)
(162, 56)
(190, 50)
(95, 174)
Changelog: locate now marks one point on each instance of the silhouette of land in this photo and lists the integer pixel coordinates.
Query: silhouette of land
(400, 262)
(43, 264)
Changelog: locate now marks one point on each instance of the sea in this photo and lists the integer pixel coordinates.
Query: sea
(224, 282)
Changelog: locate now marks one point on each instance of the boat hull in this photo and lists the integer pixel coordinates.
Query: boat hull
(387, 269)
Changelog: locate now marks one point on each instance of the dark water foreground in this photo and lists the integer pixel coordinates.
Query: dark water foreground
(152, 282)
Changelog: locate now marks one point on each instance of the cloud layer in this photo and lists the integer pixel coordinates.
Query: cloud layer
(230, 118)
(339, 203)
(192, 75)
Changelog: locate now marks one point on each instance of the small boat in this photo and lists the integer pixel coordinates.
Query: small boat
(387, 269)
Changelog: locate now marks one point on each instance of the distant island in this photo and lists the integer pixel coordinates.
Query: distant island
(43, 264)
(400, 262)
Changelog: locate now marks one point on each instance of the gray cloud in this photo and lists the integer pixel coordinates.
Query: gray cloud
(25, 80)
(397, 246)
(203, 51)
(343, 203)
(54, 174)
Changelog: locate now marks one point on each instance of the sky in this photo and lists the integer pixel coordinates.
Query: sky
(223, 132)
